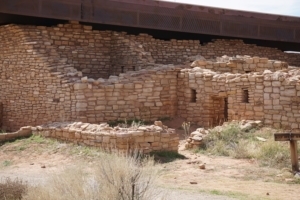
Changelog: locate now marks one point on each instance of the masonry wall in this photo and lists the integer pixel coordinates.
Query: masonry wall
(146, 94)
(269, 95)
(128, 54)
(87, 50)
(33, 89)
(41, 81)
(177, 51)
(142, 138)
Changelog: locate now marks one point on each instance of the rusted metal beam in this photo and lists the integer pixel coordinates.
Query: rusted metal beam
(160, 15)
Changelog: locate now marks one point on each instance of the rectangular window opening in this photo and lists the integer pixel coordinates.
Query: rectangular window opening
(247, 72)
(193, 95)
(245, 96)
(122, 69)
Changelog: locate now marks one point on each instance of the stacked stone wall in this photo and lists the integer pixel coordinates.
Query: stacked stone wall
(170, 51)
(33, 89)
(141, 138)
(41, 81)
(240, 64)
(128, 54)
(206, 97)
(89, 51)
(234, 47)
(146, 95)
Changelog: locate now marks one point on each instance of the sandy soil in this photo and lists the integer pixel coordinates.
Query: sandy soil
(226, 177)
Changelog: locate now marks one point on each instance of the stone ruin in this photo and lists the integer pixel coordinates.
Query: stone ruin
(73, 73)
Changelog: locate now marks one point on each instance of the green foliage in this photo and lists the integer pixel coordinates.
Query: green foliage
(274, 154)
(127, 122)
(6, 163)
(230, 140)
(37, 139)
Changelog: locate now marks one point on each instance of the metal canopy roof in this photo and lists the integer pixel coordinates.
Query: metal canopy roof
(163, 16)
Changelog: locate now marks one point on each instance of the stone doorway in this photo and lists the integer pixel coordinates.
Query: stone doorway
(219, 111)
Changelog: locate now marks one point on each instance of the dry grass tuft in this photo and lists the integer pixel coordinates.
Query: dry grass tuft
(115, 176)
(234, 142)
(12, 189)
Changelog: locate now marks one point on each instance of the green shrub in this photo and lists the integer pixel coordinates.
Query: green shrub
(273, 154)
(230, 140)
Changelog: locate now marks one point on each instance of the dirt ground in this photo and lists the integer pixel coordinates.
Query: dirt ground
(222, 178)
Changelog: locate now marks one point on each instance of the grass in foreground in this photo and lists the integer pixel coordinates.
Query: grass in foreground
(115, 176)
(234, 142)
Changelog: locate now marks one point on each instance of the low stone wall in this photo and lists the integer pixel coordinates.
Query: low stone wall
(143, 138)
(23, 132)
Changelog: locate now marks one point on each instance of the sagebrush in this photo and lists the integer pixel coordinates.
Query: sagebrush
(115, 176)
(231, 140)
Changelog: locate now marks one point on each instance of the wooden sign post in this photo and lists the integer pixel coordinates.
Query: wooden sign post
(292, 138)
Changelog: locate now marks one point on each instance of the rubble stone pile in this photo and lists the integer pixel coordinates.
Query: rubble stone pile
(197, 138)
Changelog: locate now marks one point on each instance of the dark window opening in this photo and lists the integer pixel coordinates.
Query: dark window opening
(247, 72)
(245, 96)
(193, 95)
(225, 109)
(56, 100)
(122, 69)
(133, 68)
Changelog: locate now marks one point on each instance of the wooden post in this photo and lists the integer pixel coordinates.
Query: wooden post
(294, 155)
(292, 138)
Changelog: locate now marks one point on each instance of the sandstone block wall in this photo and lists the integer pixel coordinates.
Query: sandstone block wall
(143, 138)
(233, 47)
(66, 73)
(146, 94)
(32, 88)
(240, 64)
(210, 98)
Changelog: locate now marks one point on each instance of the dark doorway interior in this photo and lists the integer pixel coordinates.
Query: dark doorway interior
(219, 111)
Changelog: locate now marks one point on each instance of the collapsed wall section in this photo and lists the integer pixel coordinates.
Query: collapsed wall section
(233, 47)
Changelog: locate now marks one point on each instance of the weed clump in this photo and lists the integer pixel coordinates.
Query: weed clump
(232, 140)
(12, 189)
(229, 140)
(115, 176)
